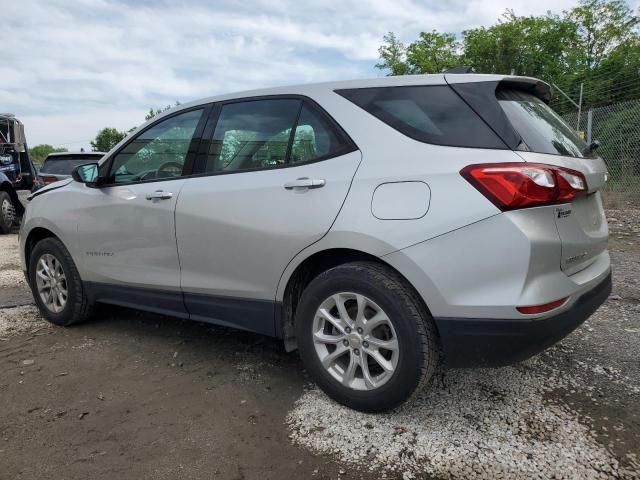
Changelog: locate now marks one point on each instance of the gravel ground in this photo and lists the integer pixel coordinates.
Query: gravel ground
(571, 412)
(19, 320)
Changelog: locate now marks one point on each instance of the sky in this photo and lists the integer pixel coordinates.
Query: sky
(71, 67)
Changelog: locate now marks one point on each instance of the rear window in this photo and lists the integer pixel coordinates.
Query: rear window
(542, 130)
(65, 165)
(430, 114)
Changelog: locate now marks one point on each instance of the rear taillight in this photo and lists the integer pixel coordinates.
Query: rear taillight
(47, 180)
(522, 185)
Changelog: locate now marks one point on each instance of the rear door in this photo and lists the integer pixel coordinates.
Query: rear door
(546, 138)
(274, 175)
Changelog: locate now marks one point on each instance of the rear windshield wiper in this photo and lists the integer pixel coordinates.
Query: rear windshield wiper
(593, 146)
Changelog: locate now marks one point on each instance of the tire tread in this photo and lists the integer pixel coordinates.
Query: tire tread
(410, 302)
(80, 304)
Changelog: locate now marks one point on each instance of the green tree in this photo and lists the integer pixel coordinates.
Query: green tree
(40, 152)
(433, 52)
(596, 45)
(606, 58)
(532, 46)
(106, 139)
(602, 25)
(393, 56)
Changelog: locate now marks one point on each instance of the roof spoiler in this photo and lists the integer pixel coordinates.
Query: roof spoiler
(540, 89)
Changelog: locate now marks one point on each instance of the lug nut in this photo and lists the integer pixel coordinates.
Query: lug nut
(365, 344)
(360, 330)
(348, 330)
(356, 351)
(345, 342)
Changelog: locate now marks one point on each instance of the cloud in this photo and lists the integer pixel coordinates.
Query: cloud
(84, 64)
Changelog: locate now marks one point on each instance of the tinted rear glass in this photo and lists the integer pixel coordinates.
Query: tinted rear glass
(64, 165)
(431, 114)
(542, 130)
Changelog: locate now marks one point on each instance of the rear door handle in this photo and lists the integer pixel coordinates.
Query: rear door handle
(305, 182)
(159, 195)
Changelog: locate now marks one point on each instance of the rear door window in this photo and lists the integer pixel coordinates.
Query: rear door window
(542, 130)
(268, 133)
(431, 114)
(252, 135)
(316, 138)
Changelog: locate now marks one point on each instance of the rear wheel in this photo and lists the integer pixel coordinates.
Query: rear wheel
(365, 336)
(7, 213)
(56, 285)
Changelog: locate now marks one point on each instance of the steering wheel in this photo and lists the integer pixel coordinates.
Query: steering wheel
(169, 169)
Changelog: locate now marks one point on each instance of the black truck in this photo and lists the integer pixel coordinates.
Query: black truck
(16, 171)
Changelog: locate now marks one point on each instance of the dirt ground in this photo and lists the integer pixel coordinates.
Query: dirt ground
(133, 395)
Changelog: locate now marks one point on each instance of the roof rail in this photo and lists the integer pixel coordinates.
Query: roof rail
(462, 69)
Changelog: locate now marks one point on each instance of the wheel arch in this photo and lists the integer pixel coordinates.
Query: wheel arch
(34, 236)
(309, 268)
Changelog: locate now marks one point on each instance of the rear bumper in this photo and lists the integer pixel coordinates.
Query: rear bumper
(495, 342)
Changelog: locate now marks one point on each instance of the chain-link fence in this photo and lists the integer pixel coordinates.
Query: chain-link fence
(617, 128)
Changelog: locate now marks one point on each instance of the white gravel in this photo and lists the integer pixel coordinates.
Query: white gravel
(9, 249)
(12, 278)
(10, 272)
(489, 423)
(19, 320)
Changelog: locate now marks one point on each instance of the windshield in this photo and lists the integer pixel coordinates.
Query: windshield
(64, 166)
(542, 130)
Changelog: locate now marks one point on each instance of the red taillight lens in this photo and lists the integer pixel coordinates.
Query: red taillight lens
(542, 308)
(521, 185)
(47, 180)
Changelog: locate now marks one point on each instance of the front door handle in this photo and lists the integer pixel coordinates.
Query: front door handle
(305, 182)
(159, 195)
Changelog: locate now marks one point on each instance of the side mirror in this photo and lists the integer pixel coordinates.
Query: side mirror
(86, 174)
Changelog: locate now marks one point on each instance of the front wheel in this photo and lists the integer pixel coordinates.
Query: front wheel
(56, 284)
(365, 337)
(7, 213)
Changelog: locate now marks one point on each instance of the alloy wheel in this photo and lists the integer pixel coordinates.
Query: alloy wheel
(51, 283)
(355, 341)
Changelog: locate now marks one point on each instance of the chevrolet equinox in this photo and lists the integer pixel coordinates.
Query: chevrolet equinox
(380, 227)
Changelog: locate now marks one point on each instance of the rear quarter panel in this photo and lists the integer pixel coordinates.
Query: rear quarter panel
(389, 156)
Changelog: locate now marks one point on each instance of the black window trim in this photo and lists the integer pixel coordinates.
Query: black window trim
(203, 151)
(189, 161)
(498, 137)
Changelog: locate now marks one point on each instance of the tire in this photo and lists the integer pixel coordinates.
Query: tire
(378, 287)
(77, 306)
(7, 213)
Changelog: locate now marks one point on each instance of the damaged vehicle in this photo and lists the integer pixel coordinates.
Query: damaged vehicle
(381, 227)
(16, 170)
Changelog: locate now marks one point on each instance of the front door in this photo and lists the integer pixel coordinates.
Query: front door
(274, 177)
(126, 228)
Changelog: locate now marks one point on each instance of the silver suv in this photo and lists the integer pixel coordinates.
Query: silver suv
(379, 226)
